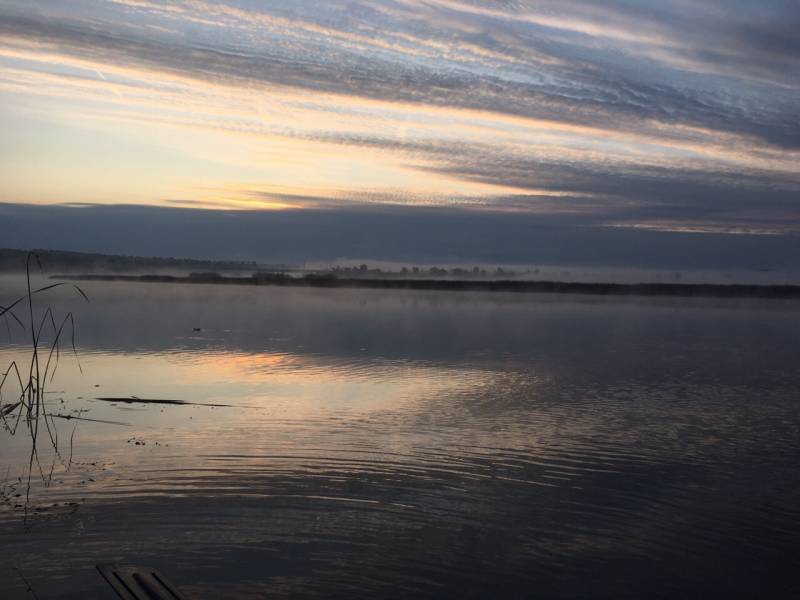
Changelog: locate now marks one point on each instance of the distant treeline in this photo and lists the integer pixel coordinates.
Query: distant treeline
(554, 287)
(365, 272)
(58, 261)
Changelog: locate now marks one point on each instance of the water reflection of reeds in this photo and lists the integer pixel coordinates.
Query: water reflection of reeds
(29, 406)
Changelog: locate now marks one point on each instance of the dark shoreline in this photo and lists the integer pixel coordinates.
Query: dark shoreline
(548, 287)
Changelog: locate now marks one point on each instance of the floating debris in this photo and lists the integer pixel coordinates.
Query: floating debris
(134, 399)
(8, 408)
(74, 418)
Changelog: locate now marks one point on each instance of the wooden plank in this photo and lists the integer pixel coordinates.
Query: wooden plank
(132, 582)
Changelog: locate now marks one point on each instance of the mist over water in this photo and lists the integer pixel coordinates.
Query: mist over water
(418, 444)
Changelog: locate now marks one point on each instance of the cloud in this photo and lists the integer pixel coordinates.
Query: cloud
(621, 114)
(394, 233)
(586, 91)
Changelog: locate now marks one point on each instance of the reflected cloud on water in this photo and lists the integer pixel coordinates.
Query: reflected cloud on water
(427, 443)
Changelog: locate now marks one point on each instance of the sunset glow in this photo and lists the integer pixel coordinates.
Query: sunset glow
(535, 106)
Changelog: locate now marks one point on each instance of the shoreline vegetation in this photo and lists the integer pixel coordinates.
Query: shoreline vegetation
(331, 280)
(80, 266)
(28, 408)
(63, 261)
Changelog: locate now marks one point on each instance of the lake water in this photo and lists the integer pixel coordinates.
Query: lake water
(412, 444)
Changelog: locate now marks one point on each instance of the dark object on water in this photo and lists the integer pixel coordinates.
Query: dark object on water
(6, 409)
(138, 583)
(197, 329)
(135, 399)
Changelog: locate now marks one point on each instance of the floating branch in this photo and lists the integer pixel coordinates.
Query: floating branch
(134, 399)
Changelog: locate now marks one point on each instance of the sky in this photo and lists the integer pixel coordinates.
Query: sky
(616, 131)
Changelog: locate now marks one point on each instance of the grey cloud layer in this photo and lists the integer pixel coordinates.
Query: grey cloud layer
(613, 194)
(405, 234)
(592, 83)
(642, 67)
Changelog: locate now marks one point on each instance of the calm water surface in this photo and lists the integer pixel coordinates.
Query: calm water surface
(415, 444)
